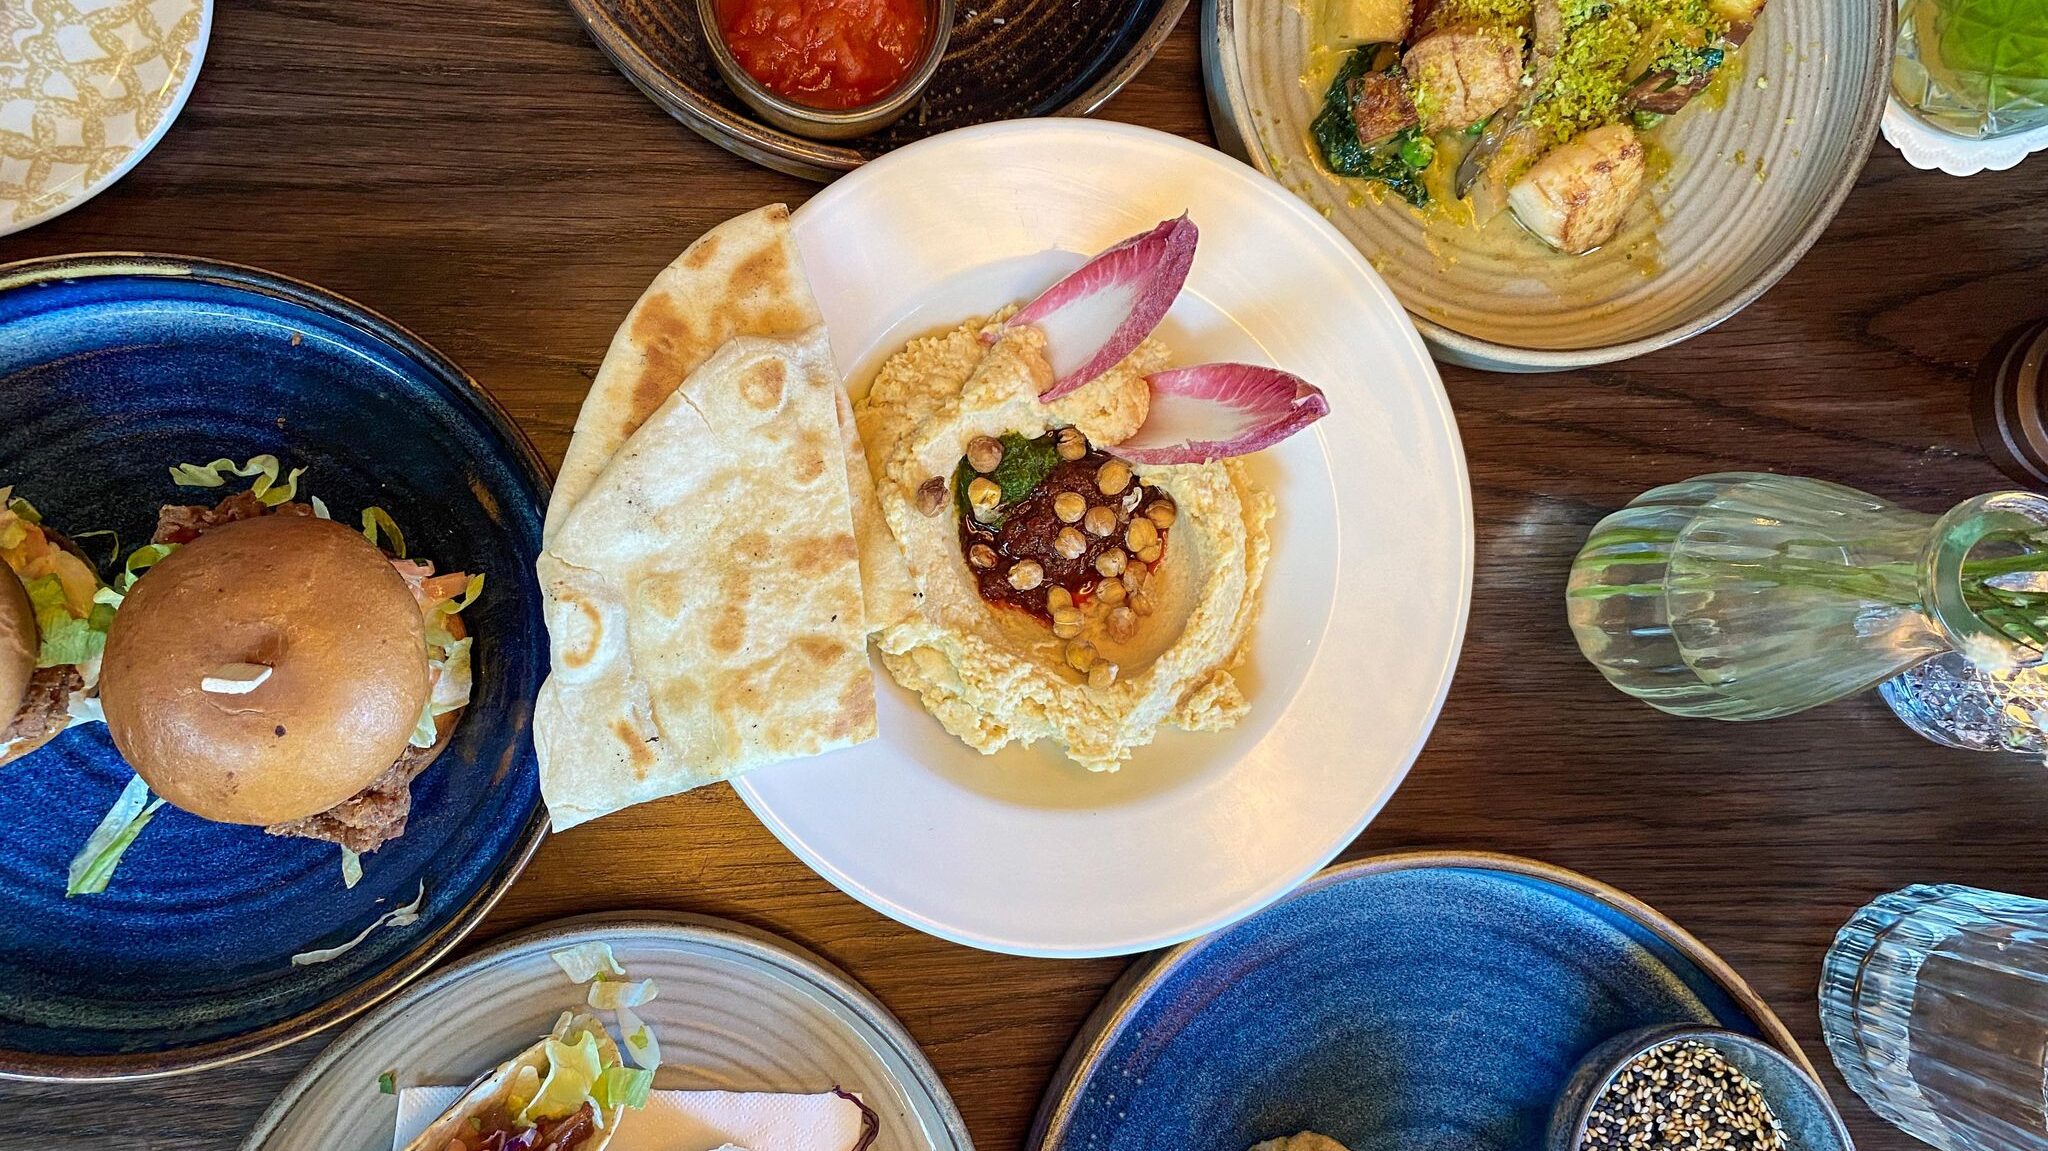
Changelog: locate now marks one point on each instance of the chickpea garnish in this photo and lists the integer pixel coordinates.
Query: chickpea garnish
(1121, 624)
(1057, 598)
(1080, 655)
(1111, 591)
(931, 496)
(1111, 562)
(983, 495)
(1070, 507)
(1070, 543)
(1142, 534)
(1113, 477)
(984, 454)
(1071, 444)
(1100, 521)
(1102, 675)
(981, 556)
(1161, 512)
(1026, 574)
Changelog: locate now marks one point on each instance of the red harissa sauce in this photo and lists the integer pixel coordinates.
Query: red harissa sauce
(825, 53)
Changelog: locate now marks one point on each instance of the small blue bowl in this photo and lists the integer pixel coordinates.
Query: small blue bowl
(1417, 1002)
(113, 368)
(1804, 1111)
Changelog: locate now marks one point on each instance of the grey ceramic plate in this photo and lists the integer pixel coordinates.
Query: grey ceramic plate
(1008, 59)
(1426, 1001)
(1751, 186)
(738, 1011)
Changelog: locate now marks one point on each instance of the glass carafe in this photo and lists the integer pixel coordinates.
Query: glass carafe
(1746, 595)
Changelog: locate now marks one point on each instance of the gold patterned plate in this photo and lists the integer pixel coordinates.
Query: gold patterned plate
(87, 88)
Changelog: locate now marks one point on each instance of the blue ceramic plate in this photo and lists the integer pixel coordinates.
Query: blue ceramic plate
(1422, 1002)
(112, 369)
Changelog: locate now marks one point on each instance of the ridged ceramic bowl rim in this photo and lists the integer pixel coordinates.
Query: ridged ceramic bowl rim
(799, 156)
(35, 1067)
(753, 943)
(831, 123)
(1228, 112)
(1121, 1003)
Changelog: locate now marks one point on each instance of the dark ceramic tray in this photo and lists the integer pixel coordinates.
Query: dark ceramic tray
(1008, 59)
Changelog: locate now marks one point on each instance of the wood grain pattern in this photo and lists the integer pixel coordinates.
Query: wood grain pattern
(479, 173)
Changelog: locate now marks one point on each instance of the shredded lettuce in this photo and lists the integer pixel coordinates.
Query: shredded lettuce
(573, 1071)
(397, 917)
(612, 994)
(583, 962)
(638, 1039)
(264, 467)
(451, 691)
(377, 520)
(622, 1087)
(141, 560)
(94, 864)
(20, 507)
(67, 639)
(351, 868)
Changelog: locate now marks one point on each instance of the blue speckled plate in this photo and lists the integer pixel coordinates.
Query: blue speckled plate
(111, 369)
(1419, 1002)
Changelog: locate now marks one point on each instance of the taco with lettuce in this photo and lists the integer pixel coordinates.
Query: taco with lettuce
(52, 631)
(565, 1093)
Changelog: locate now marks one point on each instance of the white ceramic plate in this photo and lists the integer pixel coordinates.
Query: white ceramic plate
(86, 90)
(1364, 604)
(738, 1010)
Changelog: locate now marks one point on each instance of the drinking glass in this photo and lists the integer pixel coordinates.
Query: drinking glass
(1934, 1002)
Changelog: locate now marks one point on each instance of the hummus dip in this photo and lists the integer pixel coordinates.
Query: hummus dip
(1060, 593)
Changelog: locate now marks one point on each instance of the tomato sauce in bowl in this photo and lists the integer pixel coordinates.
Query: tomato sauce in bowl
(832, 54)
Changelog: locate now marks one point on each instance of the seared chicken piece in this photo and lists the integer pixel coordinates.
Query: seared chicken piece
(1380, 107)
(1574, 198)
(1460, 76)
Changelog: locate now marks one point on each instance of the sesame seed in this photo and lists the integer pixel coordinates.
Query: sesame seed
(1684, 1096)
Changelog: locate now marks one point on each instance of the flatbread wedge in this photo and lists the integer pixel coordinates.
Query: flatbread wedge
(741, 278)
(704, 598)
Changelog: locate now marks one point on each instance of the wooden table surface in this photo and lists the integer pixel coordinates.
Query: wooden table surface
(477, 171)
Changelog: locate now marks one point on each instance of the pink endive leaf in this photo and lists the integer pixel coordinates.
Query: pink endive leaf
(1094, 317)
(1212, 411)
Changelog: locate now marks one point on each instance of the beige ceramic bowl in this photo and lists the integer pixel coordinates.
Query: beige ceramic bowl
(830, 123)
(1750, 187)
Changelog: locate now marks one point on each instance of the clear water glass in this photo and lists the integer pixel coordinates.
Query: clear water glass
(1955, 703)
(1934, 1002)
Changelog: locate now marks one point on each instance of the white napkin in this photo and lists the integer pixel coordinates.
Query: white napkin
(690, 1120)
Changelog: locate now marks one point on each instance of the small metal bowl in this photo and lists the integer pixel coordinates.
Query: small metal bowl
(1801, 1104)
(830, 123)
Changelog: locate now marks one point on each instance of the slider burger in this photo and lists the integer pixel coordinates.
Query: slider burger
(51, 631)
(279, 669)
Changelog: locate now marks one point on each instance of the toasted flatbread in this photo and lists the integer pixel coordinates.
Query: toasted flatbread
(704, 599)
(741, 278)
